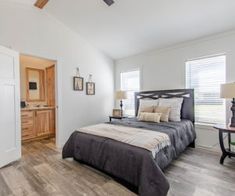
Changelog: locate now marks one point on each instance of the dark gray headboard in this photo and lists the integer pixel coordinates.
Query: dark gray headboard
(187, 111)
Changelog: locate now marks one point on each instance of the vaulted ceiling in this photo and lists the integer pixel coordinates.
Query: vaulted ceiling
(129, 27)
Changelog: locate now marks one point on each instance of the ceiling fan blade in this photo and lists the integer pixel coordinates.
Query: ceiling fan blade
(109, 2)
(41, 3)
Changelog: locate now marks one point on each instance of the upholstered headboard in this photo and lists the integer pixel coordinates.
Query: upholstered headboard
(187, 111)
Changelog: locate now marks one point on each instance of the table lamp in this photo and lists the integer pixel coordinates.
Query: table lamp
(227, 91)
(120, 95)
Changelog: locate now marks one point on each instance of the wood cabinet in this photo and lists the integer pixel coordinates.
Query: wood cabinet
(52, 122)
(42, 121)
(50, 81)
(37, 124)
(27, 124)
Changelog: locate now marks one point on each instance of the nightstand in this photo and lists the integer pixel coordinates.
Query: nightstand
(226, 151)
(116, 117)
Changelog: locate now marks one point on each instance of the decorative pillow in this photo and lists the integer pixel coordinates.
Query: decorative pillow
(175, 104)
(148, 109)
(144, 103)
(149, 117)
(165, 111)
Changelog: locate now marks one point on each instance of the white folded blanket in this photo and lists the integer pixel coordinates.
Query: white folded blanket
(150, 140)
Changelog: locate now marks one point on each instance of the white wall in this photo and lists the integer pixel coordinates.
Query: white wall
(165, 69)
(31, 31)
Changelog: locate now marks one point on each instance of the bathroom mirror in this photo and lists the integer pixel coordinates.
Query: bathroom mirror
(35, 83)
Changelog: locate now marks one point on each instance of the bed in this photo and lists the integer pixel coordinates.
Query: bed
(137, 167)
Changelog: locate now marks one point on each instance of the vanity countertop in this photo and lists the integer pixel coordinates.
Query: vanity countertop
(38, 108)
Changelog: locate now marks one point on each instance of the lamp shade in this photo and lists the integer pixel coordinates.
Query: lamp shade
(227, 90)
(121, 95)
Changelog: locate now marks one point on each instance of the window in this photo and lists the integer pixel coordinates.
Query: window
(205, 76)
(130, 82)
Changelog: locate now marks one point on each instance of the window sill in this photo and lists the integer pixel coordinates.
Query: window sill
(205, 126)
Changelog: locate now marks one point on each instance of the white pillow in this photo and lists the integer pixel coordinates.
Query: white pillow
(144, 103)
(175, 104)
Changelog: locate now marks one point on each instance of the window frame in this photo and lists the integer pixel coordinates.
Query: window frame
(208, 124)
(140, 79)
(131, 70)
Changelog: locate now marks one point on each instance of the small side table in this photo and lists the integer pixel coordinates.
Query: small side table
(116, 117)
(226, 151)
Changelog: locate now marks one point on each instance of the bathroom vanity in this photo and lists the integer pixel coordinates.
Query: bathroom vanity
(37, 123)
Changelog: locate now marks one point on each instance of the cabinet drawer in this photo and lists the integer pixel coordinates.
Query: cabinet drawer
(27, 129)
(26, 122)
(27, 114)
(28, 133)
(28, 136)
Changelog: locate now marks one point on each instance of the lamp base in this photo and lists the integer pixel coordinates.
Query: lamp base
(233, 113)
(121, 105)
(232, 125)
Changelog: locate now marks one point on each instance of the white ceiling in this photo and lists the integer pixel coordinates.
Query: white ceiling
(129, 27)
(24, 2)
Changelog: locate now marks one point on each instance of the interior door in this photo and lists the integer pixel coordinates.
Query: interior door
(10, 134)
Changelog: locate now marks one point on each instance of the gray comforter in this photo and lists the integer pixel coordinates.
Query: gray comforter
(134, 165)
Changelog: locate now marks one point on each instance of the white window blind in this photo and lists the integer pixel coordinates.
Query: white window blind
(130, 82)
(205, 76)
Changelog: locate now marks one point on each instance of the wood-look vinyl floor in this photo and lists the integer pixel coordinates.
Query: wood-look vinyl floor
(41, 171)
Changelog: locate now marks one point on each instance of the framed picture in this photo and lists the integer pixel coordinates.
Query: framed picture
(117, 112)
(90, 88)
(78, 83)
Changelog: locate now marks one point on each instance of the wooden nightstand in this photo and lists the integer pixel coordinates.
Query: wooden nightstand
(226, 152)
(116, 117)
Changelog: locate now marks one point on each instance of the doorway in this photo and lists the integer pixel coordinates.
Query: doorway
(38, 98)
